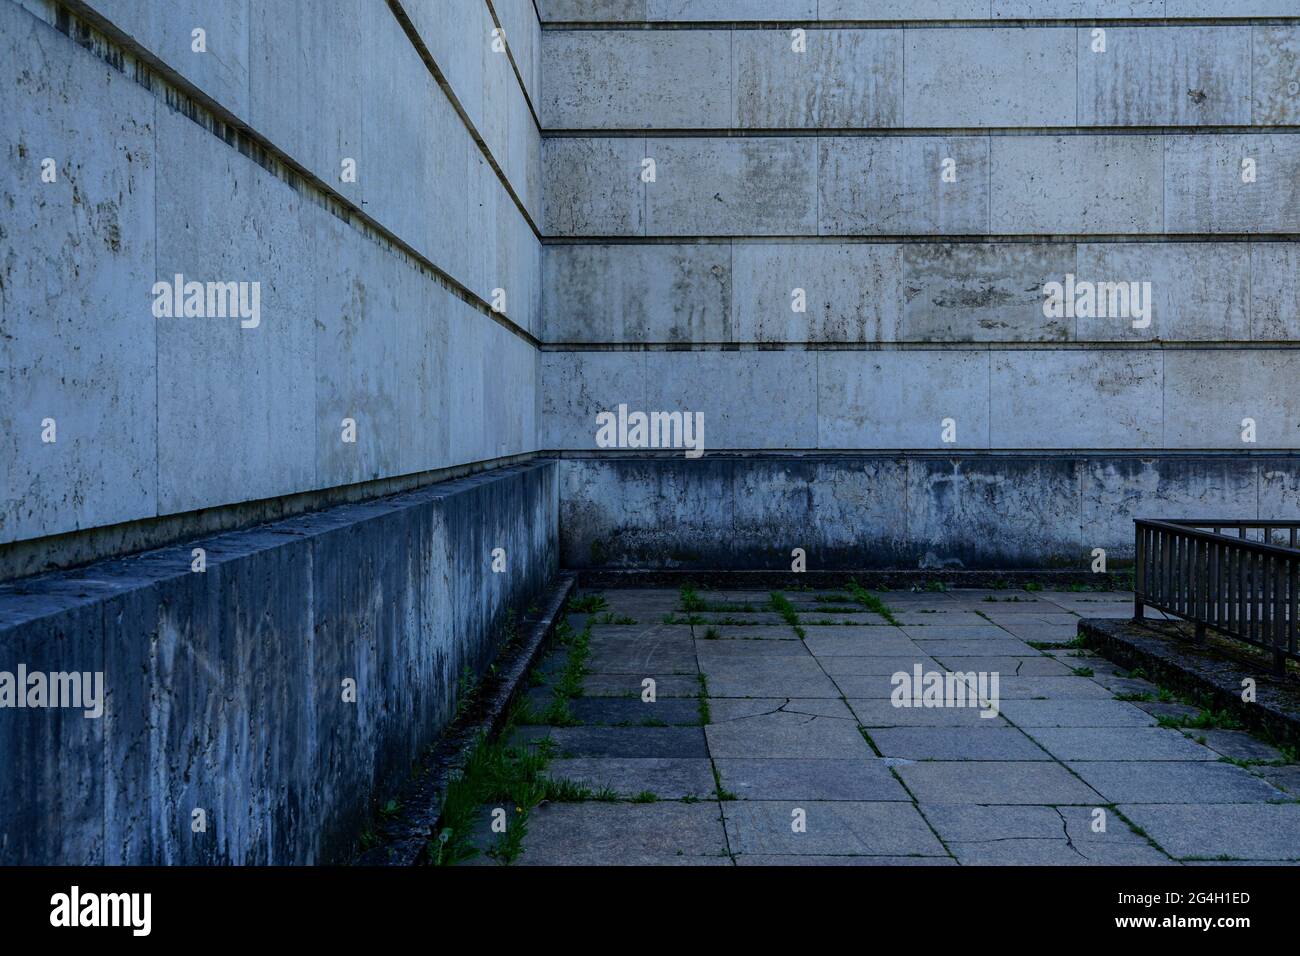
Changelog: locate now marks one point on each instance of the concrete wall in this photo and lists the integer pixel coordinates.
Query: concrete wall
(224, 689)
(215, 139)
(377, 294)
(702, 174)
(901, 510)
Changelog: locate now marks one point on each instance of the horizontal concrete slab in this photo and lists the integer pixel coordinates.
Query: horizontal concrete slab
(828, 291)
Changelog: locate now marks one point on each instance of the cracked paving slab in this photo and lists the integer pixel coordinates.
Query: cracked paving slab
(789, 732)
(851, 828)
(767, 778)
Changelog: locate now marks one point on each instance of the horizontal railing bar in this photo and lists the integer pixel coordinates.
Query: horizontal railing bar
(1227, 523)
(1243, 544)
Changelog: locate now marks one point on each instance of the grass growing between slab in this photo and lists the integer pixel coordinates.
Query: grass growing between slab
(609, 617)
(871, 602)
(588, 604)
(782, 606)
(568, 686)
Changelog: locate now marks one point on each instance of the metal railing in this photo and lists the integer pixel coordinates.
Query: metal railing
(1237, 578)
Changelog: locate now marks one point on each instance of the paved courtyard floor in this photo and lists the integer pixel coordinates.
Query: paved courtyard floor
(771, 738)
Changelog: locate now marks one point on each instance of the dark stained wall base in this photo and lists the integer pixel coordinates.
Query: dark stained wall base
(224, 689)
(850, 512)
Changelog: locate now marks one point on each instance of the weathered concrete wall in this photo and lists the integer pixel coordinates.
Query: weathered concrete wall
(224, 689)
(857, 78)
(378, 293)
(748, 217)
(898, 511)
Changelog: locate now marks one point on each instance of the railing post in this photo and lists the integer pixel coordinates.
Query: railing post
(1140, 574)
(1278, 615)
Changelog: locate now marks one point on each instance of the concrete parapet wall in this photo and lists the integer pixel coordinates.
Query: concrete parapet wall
(879, 511)
(224, 689)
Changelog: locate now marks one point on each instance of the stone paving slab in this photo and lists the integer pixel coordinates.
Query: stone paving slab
(1161, 708)
(1043, 633)
(645, 631)
(613, 711)
(976, 823)
(623, 834)
(731, 619)
(629, 741)
(1055, 688)
(1005, 646)
(849, 642)
(805, 779)
(974, 599)
(1023, 782)
(880, 712)
(908, 600)
(854, 828)
(1244, 831)
(838, 666)
(774, 677)
(1285, 778)
(1237, 744)
(670, 656)
(957, 743)
(782, 734)
(724, 653)
(942, 632)
(764, 859)
(761, 632)
(1119, 611)
(814, 618)
(1175, 782)
(1058, 852)
(944, 618)
(724, 709)
(1103, 743)
(629, 685)
(1032, 665)
(867, 686)
(670, 778)
(1015, 619)
(1075, 713)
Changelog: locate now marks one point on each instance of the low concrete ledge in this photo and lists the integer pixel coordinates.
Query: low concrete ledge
(901, 580)
(403, 839)
(227, 691)
(1213, 671)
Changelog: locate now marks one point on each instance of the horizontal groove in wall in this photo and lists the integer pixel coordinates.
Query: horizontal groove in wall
(926, 453)
(612, 25)
(74, 548)
(118, 51)
(799, 132)
(931, 238)
(952, 345)
(436, 72)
